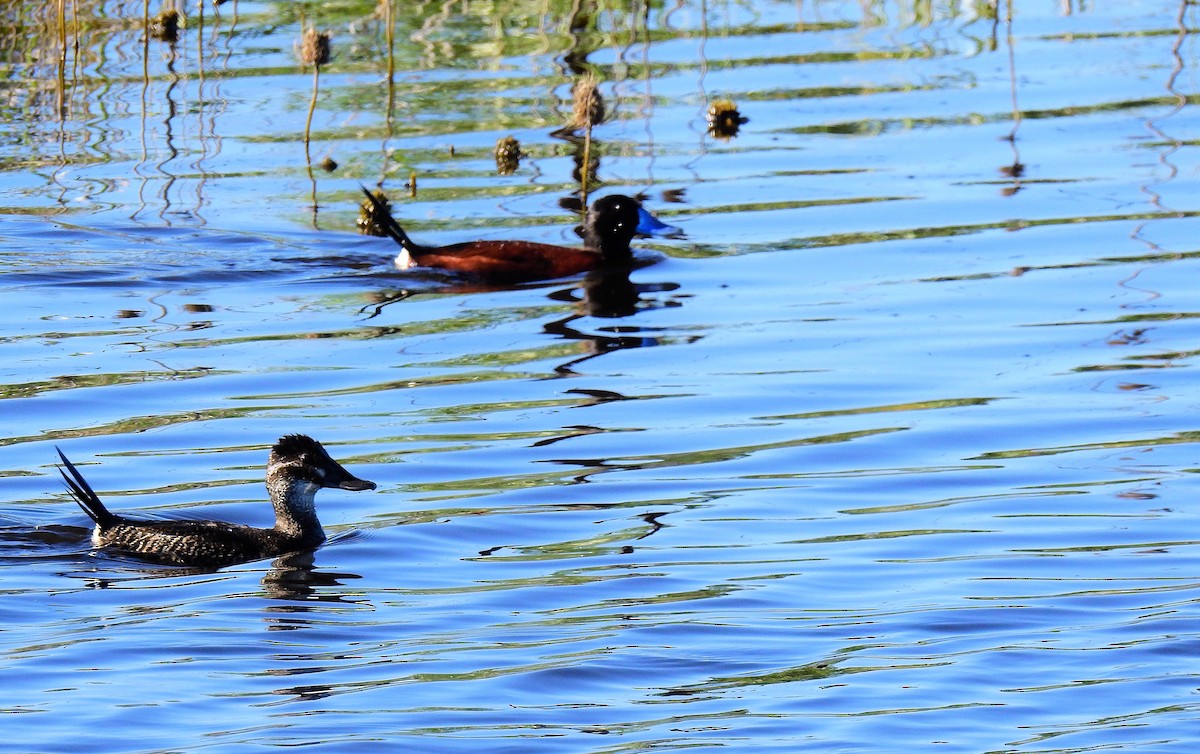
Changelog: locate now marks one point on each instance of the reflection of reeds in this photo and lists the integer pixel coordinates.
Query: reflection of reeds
(389, 31)
(389, 27)
(62, 58)
(314, 50)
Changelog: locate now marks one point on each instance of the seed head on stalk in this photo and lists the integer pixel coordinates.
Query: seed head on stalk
(314, 50)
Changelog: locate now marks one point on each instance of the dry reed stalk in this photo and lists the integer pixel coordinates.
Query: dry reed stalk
(314, 50)
(587, 111)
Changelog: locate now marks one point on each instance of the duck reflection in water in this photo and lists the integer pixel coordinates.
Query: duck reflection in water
(608, 294)
(294, 581)
(298, 583)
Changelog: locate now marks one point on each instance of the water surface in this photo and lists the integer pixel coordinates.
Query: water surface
(891, 450)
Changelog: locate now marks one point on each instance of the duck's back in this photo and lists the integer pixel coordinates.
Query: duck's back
(505, 261)
(194, 543)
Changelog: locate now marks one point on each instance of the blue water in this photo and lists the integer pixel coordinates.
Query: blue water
(893, 450)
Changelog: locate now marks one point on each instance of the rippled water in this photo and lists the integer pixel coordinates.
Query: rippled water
(892, 450)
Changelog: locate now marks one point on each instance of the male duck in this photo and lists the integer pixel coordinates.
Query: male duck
(611, 224)
(297, 467)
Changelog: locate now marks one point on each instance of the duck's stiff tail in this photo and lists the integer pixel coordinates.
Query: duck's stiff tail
(390, 226)
(84, 494)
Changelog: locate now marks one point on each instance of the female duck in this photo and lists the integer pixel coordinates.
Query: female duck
(298, 466)
(611, 224)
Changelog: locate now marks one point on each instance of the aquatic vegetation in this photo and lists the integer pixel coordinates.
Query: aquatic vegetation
(508, 155)
(629, 504)
(373, 216)
(587, 105)
(724, 120)
(314, 47)
(314, 50)
(587, 111)
(165, 26)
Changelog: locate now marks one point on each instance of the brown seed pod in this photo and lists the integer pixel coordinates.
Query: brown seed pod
(165, 26)
(371, 216)
(588, 106)
(314, 47)
(724, 120)
(508, 155)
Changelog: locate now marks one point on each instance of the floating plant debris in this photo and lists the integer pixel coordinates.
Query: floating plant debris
(724, 120)
(508, 155)
(1015, 170)
(165, 26)
(329, 164)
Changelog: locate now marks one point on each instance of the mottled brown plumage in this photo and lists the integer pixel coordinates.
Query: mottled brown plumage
(298, 466)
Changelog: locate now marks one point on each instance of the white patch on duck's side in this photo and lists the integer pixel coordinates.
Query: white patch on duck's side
(404, 260)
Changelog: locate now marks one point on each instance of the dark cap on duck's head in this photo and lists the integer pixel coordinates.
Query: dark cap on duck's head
(302, 457)
(612, 223)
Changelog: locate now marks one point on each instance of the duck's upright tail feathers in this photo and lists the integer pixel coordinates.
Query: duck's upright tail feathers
(390, 226)
(84, 494)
